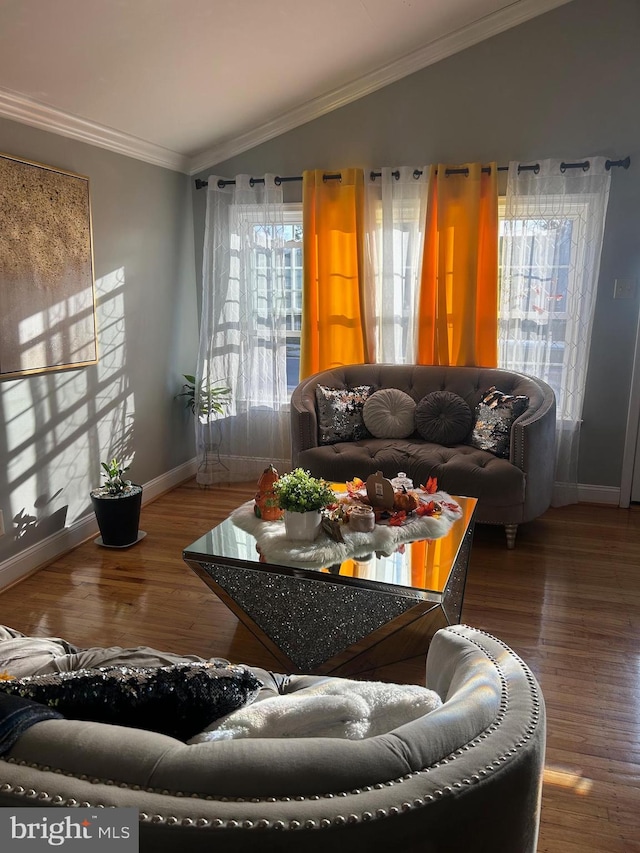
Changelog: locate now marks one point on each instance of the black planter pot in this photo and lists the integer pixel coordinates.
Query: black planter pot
(118, 517)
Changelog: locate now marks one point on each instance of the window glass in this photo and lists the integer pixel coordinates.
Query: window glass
(535, 319)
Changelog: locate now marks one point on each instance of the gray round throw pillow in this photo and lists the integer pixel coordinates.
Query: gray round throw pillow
(389, 413)
(443, 417)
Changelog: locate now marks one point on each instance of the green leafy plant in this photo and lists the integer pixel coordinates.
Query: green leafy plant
(300, 492)
(114, 483)
(211, 400)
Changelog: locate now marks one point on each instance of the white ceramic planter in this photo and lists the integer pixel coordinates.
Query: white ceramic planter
(302, 526)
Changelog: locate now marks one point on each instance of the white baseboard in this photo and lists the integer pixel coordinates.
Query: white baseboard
(36, 556)
(598, 494)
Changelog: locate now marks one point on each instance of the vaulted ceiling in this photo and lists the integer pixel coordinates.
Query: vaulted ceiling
(187, 83)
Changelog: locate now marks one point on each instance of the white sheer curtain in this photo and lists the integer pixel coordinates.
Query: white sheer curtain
(395, 214)
(242, 332)
(550, 257)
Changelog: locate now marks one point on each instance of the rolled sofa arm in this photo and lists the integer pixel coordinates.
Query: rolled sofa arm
(533, 442)
(304, 421)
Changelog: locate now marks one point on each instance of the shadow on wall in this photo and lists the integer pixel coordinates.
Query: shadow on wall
(56, 427)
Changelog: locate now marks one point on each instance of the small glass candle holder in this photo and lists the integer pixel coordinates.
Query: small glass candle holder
(362, 519)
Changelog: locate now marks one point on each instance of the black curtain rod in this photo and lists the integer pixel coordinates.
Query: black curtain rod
(584, 165)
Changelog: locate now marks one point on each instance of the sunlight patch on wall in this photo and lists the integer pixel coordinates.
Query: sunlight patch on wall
(60, 425)
(57, 335)
(114, 400)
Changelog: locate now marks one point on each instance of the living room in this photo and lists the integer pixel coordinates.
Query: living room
(556, 85)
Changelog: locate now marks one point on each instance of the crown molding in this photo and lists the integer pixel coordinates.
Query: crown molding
(27, 111)
(511, 16)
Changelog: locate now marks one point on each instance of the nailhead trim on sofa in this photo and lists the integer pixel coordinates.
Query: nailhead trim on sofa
(199, 822)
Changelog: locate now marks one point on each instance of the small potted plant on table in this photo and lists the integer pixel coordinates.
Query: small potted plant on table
(117, 504)
(302, 496)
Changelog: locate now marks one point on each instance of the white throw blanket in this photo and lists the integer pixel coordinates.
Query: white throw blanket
(385, 539)
(335, 708)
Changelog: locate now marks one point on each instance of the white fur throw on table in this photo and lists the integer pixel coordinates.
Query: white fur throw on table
(272, 539)
(338, 707)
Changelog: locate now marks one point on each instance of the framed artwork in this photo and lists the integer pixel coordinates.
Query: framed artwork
(47, 293)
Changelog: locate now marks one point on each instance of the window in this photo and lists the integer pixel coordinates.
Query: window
(538, 288)
(262, 238)
(293, 290)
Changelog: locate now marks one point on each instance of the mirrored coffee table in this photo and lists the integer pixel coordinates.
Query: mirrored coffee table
(346, 619)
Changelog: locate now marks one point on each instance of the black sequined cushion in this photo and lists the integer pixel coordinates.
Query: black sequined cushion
(495, 414)
(340, 413)
(443, 417)
(175, 700)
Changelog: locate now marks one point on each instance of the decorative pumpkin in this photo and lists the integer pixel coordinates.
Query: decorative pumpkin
(405, 501)
(266, 502)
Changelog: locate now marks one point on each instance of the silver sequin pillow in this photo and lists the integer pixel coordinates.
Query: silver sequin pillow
(177, 700)
(340, 413)
(495, 414)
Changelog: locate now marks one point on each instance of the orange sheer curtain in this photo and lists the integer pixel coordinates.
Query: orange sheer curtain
(332, 303)
(458, 315)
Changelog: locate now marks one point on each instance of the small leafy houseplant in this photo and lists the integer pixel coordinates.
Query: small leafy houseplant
(206, 402)
(210, 401)
(300, 492)
(302, 496)
(114, 484)
(117, 503)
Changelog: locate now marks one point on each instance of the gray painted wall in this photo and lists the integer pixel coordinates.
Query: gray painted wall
(55, 428)
(562, 85)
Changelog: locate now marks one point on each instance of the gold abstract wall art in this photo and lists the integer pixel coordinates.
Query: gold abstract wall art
(47, 298)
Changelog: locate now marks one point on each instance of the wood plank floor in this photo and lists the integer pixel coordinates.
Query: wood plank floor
(567, 599)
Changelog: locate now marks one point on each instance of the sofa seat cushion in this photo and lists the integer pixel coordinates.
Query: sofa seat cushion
(461, 470)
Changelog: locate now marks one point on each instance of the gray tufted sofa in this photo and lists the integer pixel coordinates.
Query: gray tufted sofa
(510, 491)
(465, 777)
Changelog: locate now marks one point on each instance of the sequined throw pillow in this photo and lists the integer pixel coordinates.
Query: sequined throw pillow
(443, 417)
(495, 414)
(340, 413)
(175, 700)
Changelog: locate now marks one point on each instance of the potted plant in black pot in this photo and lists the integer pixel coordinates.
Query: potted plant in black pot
(117, 503)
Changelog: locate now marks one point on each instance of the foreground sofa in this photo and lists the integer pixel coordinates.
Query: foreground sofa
(510, 491)
(465, 777)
